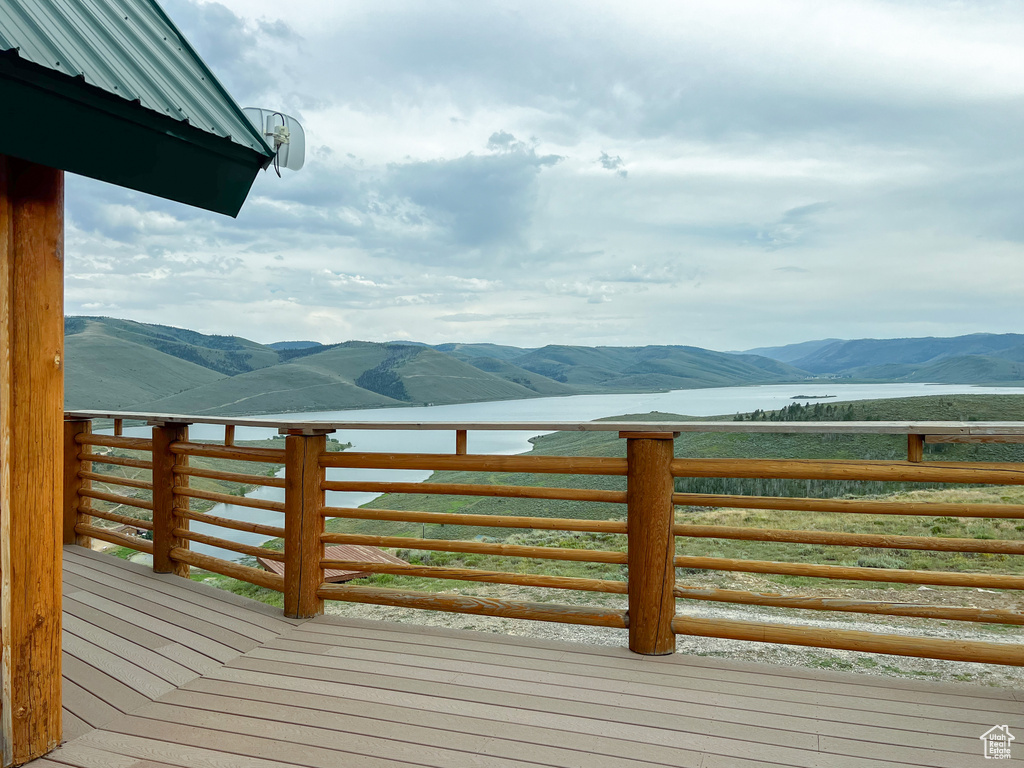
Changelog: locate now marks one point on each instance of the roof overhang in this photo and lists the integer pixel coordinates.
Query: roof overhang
(64, 122)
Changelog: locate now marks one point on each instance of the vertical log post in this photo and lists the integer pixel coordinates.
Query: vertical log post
(31, 456)
(651, 543)
(165, 483)
(461, 442)
(915, 448)
(75, 507)
(303, 522)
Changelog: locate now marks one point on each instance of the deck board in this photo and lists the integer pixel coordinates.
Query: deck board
(161, 671)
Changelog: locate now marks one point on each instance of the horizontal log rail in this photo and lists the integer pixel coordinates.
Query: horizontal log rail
(884, 471)
(653, 592)
(852, 506)
(232, 452)
(915, 610)
(115, 517)
(484, 577)
(116, 498)
(556, 465)
(232, 546)
(851, 640)
(120, 461)
(255, 576)
(111, 441)
(469, 489)
(126, 482)
(854, 573)
(231, 477)
(752, 427)
(840, 539)
(480, 606)
(480, 548)
(227, 498)
(112, 537)
(226, 522)
(482, 521)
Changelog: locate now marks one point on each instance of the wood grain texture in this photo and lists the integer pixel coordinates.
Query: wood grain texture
(514, 609)
(231, 477)
(116, 517)
(76, 479)
(915, 448)
(166, 485)
(651, 545)
(483, 521)
(470, 489)
(31, 455)
(854, 573)
(113, 537)
(127, 482)
(842, 539)
(852, 506)
(226, 498)
(486, 577)
(235, 453)
(112, 441)
(475, 547)
(839, 469)
(255, 576)
(877, 607)
(461, 442)
(304, 525)
(225, 522)
(852, 640)
(119, 461)
(116, 498)
(558, 465)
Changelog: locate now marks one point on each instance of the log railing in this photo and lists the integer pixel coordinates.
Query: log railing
(107, 476)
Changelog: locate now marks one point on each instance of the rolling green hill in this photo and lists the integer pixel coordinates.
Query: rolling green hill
(228, 355)
(107, 372)
(120, 364)
(630, 369)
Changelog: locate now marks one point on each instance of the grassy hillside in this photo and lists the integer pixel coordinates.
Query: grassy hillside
(626, 369)
(843, 356)
(542, 385)
(228, 355)
(111, 373)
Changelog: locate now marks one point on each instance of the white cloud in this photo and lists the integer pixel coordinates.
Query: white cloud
(726, 175)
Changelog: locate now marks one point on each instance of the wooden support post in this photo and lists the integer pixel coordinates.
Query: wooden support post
(31, 456)
(74, 505)
(303, 525)
(461, 442)
(651, 542)
(165, 484)
(229, 434)
(915, 448)
(118, 427)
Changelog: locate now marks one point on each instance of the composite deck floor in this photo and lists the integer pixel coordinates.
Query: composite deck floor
(159, 671)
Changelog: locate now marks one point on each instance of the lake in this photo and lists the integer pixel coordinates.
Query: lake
(719, 401)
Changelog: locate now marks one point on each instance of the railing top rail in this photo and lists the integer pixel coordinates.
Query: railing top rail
(979, 428)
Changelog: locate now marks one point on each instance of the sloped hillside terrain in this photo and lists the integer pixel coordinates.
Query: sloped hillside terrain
(980, 358)
(120, 364)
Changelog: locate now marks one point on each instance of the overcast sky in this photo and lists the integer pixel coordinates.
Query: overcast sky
(725, 175)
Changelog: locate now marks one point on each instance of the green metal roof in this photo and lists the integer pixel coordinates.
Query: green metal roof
(111, 89)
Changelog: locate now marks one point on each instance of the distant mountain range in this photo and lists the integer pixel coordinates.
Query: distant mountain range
(124, 365)
(980, 358)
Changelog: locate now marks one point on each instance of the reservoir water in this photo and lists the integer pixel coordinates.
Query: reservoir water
(720, 401)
